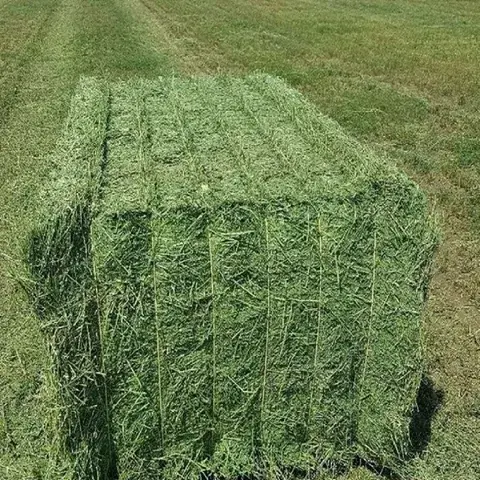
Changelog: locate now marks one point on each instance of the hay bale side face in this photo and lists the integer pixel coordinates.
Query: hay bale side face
(259, 279)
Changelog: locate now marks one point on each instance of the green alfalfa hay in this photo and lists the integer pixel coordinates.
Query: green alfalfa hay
(63, 292)
(123, 272)
(248, 256)
(183, 126)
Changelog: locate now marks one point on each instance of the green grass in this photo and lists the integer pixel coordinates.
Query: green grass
(401, 76)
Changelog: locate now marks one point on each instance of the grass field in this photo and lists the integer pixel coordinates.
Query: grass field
(400, 76)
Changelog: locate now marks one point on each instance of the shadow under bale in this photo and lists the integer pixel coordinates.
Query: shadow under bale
(429, 400)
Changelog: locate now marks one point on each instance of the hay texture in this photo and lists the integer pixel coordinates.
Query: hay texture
(231, 285)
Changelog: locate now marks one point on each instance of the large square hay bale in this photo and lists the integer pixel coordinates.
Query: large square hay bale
(230, 284)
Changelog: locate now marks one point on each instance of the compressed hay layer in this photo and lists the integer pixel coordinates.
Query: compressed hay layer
(258, 279)
(64, 294)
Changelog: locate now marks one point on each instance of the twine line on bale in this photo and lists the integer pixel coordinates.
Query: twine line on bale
(230, 284)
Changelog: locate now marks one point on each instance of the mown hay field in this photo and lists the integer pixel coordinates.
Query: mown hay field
(400, 77)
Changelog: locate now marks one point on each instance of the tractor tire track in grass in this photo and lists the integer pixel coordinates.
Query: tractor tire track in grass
(166, 34)
(70, 38)
(21, 39)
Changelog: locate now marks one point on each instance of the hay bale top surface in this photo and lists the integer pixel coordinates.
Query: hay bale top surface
(205, 141)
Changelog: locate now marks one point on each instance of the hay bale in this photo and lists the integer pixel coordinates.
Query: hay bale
(258, 279)
(59, 258)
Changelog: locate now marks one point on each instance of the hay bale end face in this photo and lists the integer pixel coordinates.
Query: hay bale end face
(229, 282)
